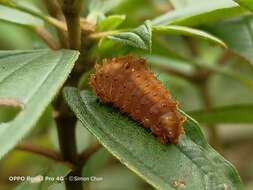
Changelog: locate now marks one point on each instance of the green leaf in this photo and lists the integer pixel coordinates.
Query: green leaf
(30, 79)
(125, 179)
(189, 32)
(98, 8)
(202, 13)
(243, 79)
(140, 37)
(18, 17)
(13, 36)
(246, 3)
(17, 6)
(240, 40)
(179, 4)
(84, 138)
(227, 114)
(111, 22)
(191, 164)
(102, 5)
(170, 63)
(165, 61)
(98, 160)
(53, 173)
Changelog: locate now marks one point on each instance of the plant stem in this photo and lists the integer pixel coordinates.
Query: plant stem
(46, 37)
(67, 140)
(66, 120)
(40, 150)
(55, 11)
(86, 154)
(213, 132)
(71, 10)
(68, 147)
(99, 35)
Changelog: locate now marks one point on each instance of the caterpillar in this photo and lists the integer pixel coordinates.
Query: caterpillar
(127, 84)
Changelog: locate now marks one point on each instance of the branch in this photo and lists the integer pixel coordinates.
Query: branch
(215, 140)
(98, 35)
(191, 43)
(67, 140)
(86, 154)
(46, 37)
(87, 26)
(36, 149)
(57, 19)
(54, 9)
(192, 78)
(71, 10)
(226, 56)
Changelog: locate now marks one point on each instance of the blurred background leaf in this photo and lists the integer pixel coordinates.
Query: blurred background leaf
(206, 11)
(245, 3)
(111, 22)
(240, 40)
(18, 17)
(98, 8)
(228, 114)
(51, 175)
(188, 32)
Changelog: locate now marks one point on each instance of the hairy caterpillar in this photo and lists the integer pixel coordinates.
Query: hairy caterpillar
(129, 85)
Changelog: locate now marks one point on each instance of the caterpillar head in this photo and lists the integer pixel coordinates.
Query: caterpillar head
(172, 122)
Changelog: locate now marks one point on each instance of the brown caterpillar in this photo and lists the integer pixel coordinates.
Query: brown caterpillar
(129, 85)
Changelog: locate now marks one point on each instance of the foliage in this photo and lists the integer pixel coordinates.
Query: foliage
(126, 140)
(202, 53)
(29, 77)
